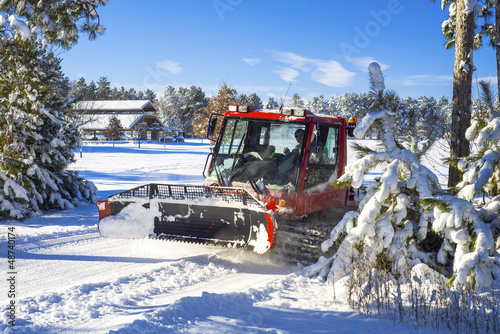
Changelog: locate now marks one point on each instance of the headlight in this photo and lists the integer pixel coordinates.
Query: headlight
(237, 108)
(298, 112)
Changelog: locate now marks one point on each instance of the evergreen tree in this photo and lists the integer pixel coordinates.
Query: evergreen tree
(131, 94)
(491, 9)
(36, 145)
(121, 94)
(91, 91)
(169, 106)
(114, 130)
(482, 169)
(56, 22)
(333, 108)
(297, 101)
(352, 105)
(405, 218)
(103, 91)
(216, 105)
(421, 122)
(114, 94)
(255, 101)
(193, 101)
(79, 90)
(243, 99)
(271, 103)
(150, 96)
(318, 105)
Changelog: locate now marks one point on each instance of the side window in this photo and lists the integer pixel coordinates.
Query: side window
(322, 161)
(264, 136)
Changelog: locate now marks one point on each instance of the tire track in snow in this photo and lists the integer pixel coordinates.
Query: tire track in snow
(99, 306)
(229, 282)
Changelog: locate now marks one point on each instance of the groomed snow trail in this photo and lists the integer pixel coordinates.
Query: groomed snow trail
(70, 279)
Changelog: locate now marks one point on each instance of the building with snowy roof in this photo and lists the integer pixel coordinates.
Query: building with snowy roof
(137, 117)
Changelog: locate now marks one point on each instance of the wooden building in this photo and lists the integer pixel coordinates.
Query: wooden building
(137, 117)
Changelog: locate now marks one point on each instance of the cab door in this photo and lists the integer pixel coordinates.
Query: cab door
(321, 170)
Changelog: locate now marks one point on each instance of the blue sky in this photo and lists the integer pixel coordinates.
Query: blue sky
(263, 46)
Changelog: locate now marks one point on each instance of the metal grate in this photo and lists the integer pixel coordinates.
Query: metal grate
(179, 192)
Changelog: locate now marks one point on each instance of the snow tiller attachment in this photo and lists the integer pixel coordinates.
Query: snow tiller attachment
(221, 216)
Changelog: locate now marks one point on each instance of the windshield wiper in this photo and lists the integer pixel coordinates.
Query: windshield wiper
(236, 158)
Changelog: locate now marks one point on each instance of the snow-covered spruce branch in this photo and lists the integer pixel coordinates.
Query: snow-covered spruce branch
(406, 219)
(56, 21)
(12, 198)
(467, 239)
(389, 217)
(482, 172)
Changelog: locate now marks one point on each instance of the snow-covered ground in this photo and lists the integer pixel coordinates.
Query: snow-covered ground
(66, 278)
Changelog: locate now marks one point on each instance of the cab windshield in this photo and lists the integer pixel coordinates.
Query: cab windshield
(258, 153)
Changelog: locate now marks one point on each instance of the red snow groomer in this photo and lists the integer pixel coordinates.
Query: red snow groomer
(268, 184)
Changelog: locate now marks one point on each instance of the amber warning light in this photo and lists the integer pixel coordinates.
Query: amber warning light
(351, 125)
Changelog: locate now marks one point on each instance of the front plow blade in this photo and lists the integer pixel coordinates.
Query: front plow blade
(219, 216)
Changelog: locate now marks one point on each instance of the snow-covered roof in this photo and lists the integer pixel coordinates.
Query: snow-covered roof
(101, 121)
(115, 105)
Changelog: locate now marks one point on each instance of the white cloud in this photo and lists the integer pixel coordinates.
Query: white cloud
(251, 61)
(288, 74)
(292, 59)
(327, 72)
(427, 80)
(170, 66)
(331, 73)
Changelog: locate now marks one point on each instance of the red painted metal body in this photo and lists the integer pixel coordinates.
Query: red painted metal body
(304, 200)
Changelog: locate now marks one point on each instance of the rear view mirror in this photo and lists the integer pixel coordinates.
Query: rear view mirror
(212, 126)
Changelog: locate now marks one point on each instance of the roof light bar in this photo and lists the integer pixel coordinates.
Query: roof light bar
(237, 108)
(298, 112)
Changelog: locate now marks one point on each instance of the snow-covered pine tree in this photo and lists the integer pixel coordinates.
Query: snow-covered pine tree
(150, 96)
(351, 105)
(482, 169)
(318, 105)
(333, 106)
(481, 178)
(169, 106)
(193, 101)
(405, 218)
(297, 101)
(35, 144)
(424, 120)
(79, 90)
(114, 130)
(470, 227)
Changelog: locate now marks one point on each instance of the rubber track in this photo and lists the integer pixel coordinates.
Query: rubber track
(299, 240)
(197, 241)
